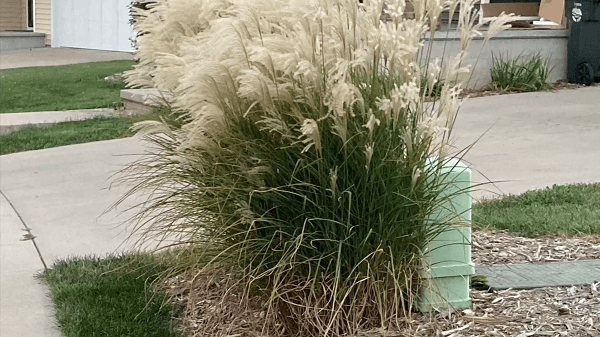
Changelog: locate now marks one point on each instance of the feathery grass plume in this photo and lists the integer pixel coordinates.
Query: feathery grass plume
(304, 163)
(467, 17)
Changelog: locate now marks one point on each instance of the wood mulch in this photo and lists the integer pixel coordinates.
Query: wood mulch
(559, 311)
(499, 247)
(556, 311)
(553, 311)
(558, 85)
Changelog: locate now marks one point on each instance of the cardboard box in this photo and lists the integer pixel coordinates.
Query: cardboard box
(527, 11)
(551, 10)
(554, 10)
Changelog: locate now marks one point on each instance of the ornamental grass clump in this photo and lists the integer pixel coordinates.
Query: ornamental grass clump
(306, 159)
(523, 73)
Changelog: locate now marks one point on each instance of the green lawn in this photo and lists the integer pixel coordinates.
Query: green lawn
(67, 133)
(564, 209)
(112, 296)
(69, 87)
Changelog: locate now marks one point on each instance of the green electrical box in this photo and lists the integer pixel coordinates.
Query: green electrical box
(447, 265)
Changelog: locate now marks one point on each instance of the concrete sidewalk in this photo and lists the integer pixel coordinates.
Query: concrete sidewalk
(531, 141)
(40, 57)
(534, 140)
(61, 194)
(25, 309)
(13, 121)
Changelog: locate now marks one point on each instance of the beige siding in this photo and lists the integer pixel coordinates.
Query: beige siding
(12, 15)
(43, 18)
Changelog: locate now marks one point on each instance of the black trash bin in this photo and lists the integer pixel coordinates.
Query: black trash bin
(583, 59)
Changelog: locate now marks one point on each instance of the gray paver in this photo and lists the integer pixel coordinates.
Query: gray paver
(538, 275)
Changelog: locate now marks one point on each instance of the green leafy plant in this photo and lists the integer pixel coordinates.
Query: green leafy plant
(479, 282)
(523, 73)
(310, 162)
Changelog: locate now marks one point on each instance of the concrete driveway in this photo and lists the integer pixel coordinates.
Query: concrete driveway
(40, 57)
(532, 141)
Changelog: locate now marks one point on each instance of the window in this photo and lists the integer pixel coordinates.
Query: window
(30, 14)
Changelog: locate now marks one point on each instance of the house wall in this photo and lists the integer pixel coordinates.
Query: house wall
(43, 18)
(92, 24)
(551, 44)
(12, 15)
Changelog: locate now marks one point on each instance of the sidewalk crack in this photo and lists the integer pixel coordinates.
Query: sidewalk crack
(28, 236)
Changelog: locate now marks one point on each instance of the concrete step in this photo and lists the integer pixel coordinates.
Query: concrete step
(144, 100)
(21, 40)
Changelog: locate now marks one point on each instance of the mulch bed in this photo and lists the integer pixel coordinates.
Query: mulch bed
(557, 311)
(558, 85)
(499, 247)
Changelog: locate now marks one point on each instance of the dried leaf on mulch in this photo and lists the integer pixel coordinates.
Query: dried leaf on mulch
(213, 307)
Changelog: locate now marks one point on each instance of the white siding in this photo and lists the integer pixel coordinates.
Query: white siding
(93, 24)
